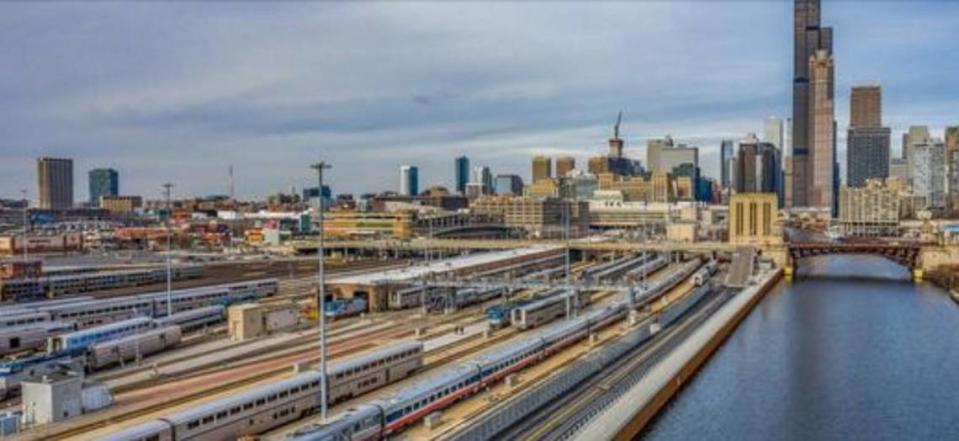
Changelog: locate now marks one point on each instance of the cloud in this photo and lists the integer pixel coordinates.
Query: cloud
(177, 91)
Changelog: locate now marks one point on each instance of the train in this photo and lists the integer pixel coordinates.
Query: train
(270, 406)
(91, 312)
(702, 276)
(32, 336)
(194, 319)
(545, 310)
(78, 341)
(342, 308)
(65, 284)
(650, 266)
(609, 270)
(133, 347)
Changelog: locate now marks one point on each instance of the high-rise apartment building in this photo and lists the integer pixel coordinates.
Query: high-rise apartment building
(727, 154)
(564, 165)
(821, 139)
(952, 170)
(103, 182)
(915, 135)
(55, 183)
(867, 141)
(542, 168)
(409, 180)
(812, 50)
(927, 170)
(461, 173)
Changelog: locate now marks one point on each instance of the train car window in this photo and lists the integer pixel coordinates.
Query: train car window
(260, 402)
(221, 415)
(207, 419)
(193, 424)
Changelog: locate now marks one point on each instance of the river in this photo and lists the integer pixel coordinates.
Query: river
(849, 350)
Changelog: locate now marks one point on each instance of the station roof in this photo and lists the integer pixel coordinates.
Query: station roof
(439, 266)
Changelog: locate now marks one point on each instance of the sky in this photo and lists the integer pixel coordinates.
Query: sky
(179, 91)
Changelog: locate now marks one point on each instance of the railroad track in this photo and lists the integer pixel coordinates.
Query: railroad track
(563, 416)
(343, 349)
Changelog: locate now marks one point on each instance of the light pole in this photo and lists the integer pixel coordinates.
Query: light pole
(26, 222)
(169, 249)
(320, 292)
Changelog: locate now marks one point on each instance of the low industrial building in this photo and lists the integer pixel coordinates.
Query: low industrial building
(248, 321)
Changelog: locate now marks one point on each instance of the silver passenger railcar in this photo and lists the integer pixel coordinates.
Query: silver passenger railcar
(360, 375)
(31, 337)
(195, 319)
(132, 347)
(270, 406)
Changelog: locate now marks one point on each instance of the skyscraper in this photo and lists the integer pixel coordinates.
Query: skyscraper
(821, 138)
(409, 180)
(564, 165)
(757, 167)
(55, 182)
(461, 173)
(867, 142)
(483, 176)
(809, 39)
(508, 185)
(727, 153)
(542, 168)
(773, 132)
(103, 182)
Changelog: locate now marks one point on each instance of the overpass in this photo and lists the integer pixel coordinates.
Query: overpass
(502, 244)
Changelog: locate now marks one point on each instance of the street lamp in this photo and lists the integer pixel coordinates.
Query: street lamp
(169, 248)
(320, 292)
(26, 221)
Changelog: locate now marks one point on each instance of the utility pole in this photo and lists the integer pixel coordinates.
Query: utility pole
(320, 292)
(169, 249)
(26, 222)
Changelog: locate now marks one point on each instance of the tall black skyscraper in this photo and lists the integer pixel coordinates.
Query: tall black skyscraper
(461, 173)
(808, 38)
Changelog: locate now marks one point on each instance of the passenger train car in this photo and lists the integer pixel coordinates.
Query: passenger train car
(90, 312)
(74, 283)
(273, 405)
(545, 310)
(194, 319)
(32, 336)
(79, 341)
(131, 347)
(705, 273)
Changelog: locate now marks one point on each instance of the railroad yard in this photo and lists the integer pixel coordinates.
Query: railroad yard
(416, 349)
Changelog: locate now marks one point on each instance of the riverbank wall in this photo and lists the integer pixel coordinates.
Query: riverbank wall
(632, 412)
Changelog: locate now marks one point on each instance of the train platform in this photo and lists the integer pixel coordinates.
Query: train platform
(612, 422)
(453, 337)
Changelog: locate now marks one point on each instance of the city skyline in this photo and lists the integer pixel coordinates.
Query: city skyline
(109, 110)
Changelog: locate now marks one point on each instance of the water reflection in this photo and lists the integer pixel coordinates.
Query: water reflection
(849, 350)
